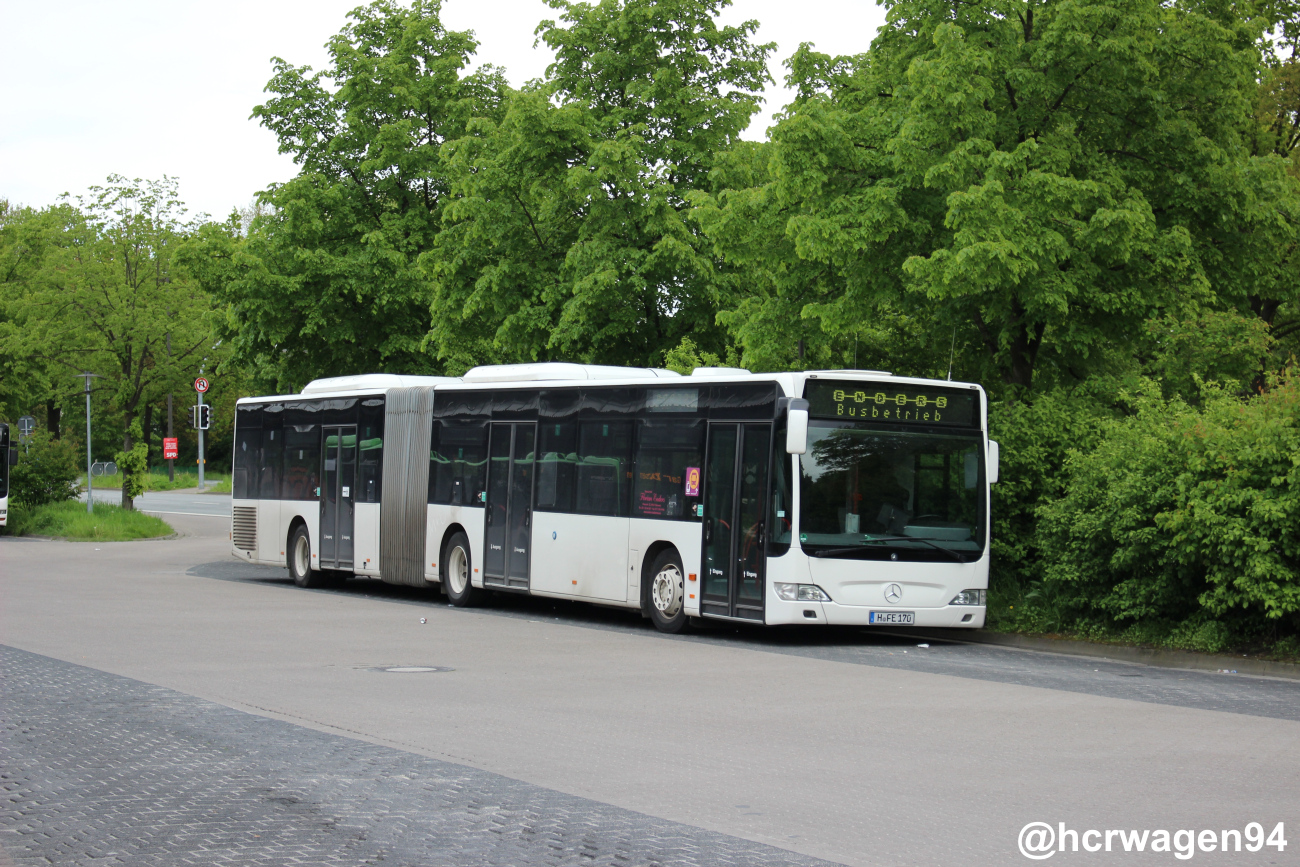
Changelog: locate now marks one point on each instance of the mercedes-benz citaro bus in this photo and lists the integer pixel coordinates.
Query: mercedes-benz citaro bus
(836, 497)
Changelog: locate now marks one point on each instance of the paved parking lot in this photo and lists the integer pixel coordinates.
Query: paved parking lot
(166, 704)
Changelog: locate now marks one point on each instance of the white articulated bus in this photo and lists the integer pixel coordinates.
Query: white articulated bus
(837, 497)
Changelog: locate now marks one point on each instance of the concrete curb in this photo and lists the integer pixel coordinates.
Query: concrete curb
(1119, 653)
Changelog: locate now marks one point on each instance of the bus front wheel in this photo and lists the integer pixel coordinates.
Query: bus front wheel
(300, 560)
(456, 571)
(665, 596)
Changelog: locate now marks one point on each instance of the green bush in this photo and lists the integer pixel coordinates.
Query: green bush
(47, 472)
(1183, 522)
(1035, 438)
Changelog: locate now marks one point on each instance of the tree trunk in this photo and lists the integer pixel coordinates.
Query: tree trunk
(127, 503)
(52, 420)
(1018, 368)
(1024, 348)
(1266, 309)
(148, 434)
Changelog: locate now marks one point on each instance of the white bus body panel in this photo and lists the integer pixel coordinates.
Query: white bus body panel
(580, 556)
(270, 537)
(365, 539)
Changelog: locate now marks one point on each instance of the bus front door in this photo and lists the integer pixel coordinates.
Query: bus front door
(509, 514)
(338, 482)
(735, 516)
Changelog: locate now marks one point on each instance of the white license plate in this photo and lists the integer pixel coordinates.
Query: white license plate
(895, 618)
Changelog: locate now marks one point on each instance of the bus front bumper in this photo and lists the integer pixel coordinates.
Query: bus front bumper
(780, 612)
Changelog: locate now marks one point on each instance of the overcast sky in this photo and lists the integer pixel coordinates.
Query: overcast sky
(145, 88)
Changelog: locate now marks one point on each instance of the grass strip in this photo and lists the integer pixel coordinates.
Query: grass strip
(70, 520)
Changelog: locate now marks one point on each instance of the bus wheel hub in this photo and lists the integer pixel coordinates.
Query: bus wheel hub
(666, 591)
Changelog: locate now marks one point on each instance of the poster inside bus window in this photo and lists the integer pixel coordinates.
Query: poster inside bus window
(892, 404)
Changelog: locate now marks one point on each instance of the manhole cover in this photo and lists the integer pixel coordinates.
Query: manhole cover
(409, 669)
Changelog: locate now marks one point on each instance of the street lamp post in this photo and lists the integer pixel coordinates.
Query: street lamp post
(90, 486)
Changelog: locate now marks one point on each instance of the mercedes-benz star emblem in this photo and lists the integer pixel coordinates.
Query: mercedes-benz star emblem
(893, 593)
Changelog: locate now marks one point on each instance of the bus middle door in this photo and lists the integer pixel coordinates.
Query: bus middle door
(509, 513)
(338, 482)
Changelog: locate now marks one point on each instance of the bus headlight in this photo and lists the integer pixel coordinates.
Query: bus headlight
(801, 593)
(969, 597)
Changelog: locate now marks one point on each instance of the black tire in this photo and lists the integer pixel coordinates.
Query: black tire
(298, 557)
(456, 571)
(664, 595)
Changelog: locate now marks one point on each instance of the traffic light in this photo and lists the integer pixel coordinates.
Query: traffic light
(201, 417)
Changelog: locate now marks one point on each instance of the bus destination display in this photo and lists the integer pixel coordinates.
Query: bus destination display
(897, 404)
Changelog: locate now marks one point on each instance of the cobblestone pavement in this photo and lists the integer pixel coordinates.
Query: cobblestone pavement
(1253, 696)
(101, 769)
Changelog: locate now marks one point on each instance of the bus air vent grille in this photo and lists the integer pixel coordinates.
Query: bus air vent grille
(244, 528)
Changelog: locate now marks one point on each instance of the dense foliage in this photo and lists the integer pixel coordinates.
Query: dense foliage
(1180, 517)
(1090, 206)
(47, 471)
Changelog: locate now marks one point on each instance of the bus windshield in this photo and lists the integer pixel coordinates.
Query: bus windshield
(888, 494)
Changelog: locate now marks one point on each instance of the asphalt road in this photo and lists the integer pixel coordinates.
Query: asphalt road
(165, 703)
(189, 502)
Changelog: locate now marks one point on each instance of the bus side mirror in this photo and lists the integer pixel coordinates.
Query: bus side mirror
(13, 457)
(796, 431)
(993, 462)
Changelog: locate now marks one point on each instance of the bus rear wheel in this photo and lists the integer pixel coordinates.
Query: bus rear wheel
(456, 572)
(665, 594)
(300, 560)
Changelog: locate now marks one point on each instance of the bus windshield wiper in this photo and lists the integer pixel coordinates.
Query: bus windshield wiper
(854, 549)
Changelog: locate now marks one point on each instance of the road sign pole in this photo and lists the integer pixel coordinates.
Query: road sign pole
(90, 486)
(171, 464)
(200, 415)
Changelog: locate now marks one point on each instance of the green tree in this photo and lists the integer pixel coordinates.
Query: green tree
(106, 297)
(1277, 112)
(25, 237)
(1035, 178)
(569, 235)
(324, 281)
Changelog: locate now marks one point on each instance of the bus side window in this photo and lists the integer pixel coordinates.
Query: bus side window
(272, 451)
(439, 472)
(370, 463)
(668, 450)
(245, 483)
(557, 461)
(458, 458)
(604, 467)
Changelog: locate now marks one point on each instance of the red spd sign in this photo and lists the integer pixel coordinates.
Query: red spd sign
(201, 384)
(171, 451)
